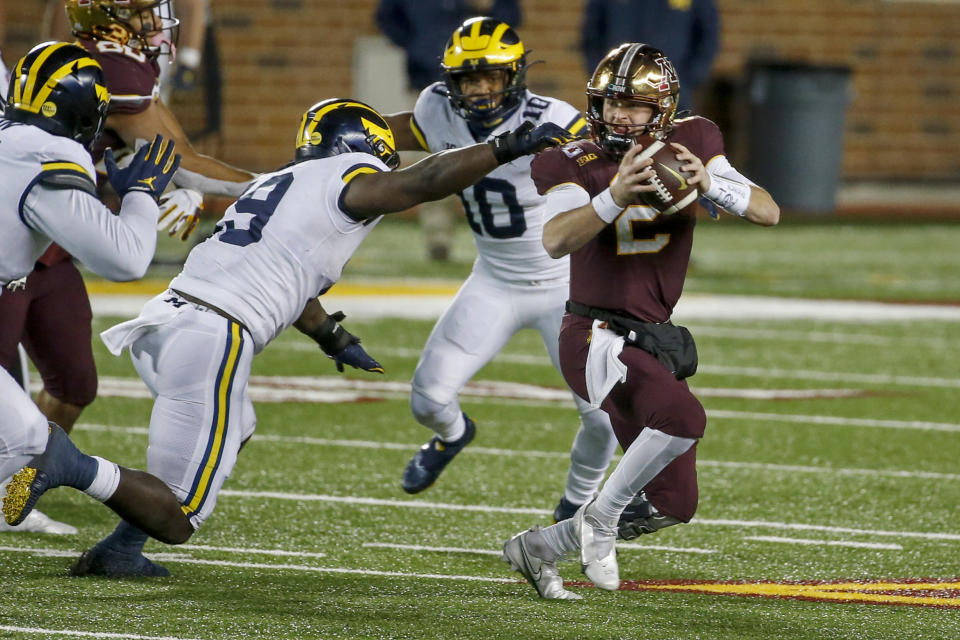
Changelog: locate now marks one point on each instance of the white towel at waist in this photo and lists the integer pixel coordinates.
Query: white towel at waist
(604, 368)
(155, 312)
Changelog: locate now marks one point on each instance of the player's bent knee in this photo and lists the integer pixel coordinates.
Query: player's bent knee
(430, 412)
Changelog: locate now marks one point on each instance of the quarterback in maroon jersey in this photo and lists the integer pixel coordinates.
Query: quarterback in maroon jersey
(628, 262)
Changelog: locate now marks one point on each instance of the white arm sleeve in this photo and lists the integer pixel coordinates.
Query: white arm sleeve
(566, 197)
(203, 184)
(729, 189)
(721, 167)
(116, 247)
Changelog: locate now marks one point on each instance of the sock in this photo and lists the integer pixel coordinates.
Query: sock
(455, 431)
(106, 481)
(126, 538)
(555, 541)
(644, 459)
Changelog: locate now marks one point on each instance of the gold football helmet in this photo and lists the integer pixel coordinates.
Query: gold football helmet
(638, 73)
(146, 25)
(485, 44)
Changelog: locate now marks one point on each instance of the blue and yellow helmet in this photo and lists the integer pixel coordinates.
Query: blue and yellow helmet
(61, 89)
(341, 125)
(485, 44)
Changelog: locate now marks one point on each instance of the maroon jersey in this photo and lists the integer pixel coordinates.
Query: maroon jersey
(638, 263)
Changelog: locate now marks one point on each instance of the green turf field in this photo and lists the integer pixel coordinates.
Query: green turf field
(829, 477)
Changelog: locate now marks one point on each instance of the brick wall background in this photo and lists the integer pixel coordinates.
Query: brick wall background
(280, 56)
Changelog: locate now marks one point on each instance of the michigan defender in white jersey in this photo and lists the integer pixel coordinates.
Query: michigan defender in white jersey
(514, 284)
(284, 242)
(56, 105)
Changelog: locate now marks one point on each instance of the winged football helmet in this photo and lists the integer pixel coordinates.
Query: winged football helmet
(340, 125)
(485, 44)
(61, 89)
(638, 73)
(145, 25)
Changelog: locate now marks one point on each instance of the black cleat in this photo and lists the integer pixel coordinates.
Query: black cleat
(102, 561)
(425, 467)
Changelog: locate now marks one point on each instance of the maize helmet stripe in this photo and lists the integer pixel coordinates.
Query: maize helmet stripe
(307, 130)
(44, 92)
(22, 92)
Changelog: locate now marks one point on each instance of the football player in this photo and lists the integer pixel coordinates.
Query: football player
(514, 283)
(125, 36)
(284, 242)
(56, 106)
(628, 263)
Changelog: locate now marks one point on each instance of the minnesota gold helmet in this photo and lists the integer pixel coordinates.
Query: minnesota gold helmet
(145, 25)
(485, 44)
(638, 73)
(59, 88)
(340, 125)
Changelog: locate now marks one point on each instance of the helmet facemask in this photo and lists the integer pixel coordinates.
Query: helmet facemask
(633, 73)
(485, 44)
(143, 25)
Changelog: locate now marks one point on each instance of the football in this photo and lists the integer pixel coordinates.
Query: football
(673, 193)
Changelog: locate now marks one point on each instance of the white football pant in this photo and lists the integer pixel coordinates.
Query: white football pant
(23, 429)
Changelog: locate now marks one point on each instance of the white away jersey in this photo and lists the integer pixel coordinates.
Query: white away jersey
(28, 153)
(503, 209)
(284, 241)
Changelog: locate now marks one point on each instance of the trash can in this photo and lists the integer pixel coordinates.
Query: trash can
(795, 132)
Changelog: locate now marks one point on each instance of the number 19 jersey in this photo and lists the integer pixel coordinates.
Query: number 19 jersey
(504, 210)
(284, 241)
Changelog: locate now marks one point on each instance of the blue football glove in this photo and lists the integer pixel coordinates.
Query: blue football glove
(526, 139)
(342, 346)
(150, 170)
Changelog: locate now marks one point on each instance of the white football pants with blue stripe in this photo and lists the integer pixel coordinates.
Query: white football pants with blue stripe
(484, 315)
(197, 366)
(23, 429)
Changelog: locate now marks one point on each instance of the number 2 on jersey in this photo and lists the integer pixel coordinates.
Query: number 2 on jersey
(261, 202)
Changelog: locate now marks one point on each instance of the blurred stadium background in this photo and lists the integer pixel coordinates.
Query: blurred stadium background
(901, 140)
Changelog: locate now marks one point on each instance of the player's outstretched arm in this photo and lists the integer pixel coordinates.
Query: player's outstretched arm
(401, 124)
(442, 174)
(340, 345)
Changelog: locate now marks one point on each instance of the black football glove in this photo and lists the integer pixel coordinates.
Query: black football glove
(150, 170)
(342, 346)
(526, 139)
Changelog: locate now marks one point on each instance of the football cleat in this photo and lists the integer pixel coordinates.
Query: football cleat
(100, 560)
(541, 574)
(39, 522)
(425, 467)
(61, 463)
(598, 550)
(641, 517)
(564, 511)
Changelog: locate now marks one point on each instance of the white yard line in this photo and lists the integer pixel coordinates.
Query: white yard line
(718, 522)
(532, 453)
(83, 634)
(827, 543)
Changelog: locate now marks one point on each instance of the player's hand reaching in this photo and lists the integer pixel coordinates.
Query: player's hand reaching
(180, 211)
(150, 171)
(527, 139)
(342, 346)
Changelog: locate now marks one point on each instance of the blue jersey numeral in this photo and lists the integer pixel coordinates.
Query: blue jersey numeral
(261, 207)
(517, 224)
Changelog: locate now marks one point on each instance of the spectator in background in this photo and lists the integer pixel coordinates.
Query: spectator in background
(421, 28)
(687, 31)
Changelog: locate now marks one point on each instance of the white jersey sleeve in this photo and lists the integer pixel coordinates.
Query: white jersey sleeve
(504, 210)
(48, 194)
(285, 240)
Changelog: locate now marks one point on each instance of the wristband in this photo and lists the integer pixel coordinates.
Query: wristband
(730, 195)
(606, 208)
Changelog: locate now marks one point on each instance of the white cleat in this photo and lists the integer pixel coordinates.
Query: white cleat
(39, 522)
(598, 550)
(541, 574)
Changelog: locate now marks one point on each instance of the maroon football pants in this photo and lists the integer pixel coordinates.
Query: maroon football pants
(649, 398)
(51, 317)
